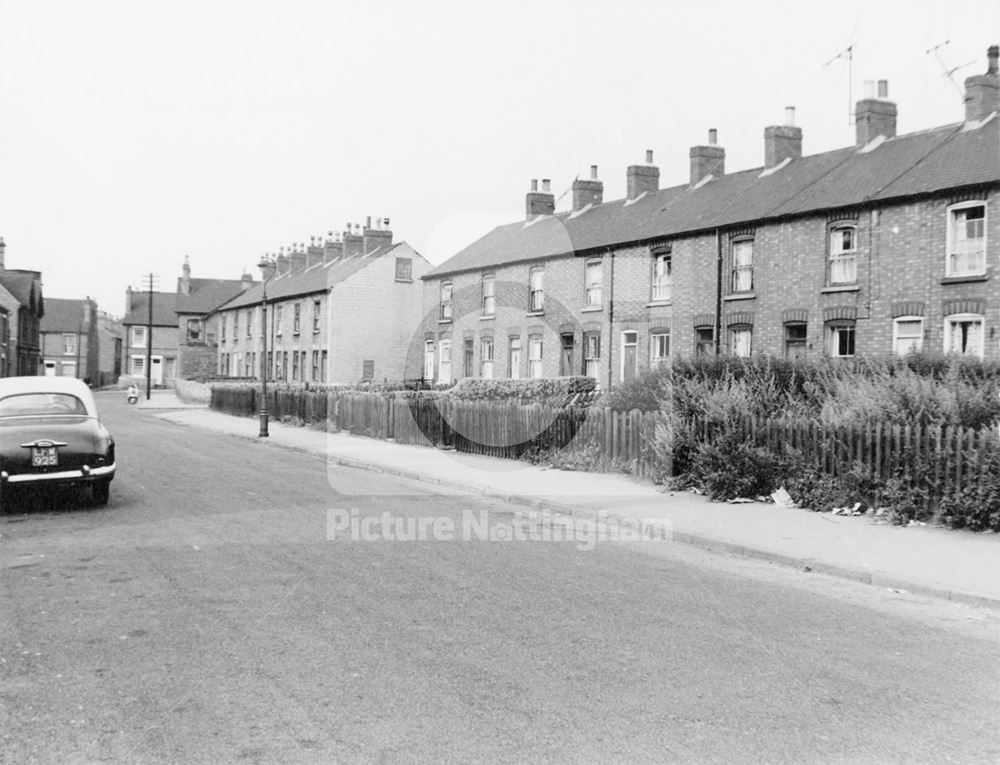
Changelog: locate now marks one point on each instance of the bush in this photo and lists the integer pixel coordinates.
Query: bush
(553, 390)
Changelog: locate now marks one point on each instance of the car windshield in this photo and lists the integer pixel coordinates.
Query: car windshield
(40, 403)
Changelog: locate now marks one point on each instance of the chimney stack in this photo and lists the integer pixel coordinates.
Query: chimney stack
(642, 178)
(3, 249)
(297, 259)
(537, 203)
(588, 192)
(246, 282)
(332, 249)
(281, 262)
(874, 115)
(354, 243)
(376, 237)
(707, 160)
(782, 142)
(184, 283)
(982, 91)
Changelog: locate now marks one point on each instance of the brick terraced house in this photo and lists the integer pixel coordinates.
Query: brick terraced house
(340, 311)
(888, 245)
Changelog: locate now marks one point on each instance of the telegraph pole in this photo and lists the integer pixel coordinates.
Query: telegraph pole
(150, 283)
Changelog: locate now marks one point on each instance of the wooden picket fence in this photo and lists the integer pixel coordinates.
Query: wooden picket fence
(590, 438)
(941, 459)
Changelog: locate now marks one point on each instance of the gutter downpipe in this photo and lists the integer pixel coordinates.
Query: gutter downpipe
(718, 292)
(611, 317)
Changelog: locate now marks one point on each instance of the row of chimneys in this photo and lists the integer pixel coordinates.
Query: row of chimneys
(350, 243)
(874, 116)
(353, 241)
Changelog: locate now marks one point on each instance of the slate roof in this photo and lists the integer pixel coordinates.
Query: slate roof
(25, 286)
(208, 294)
(914, 164)
(164, 309)
(315, 279)
(63, 315)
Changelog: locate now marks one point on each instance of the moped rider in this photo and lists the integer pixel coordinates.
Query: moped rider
(133, 392)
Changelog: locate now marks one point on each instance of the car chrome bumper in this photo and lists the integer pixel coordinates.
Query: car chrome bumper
(81, 474)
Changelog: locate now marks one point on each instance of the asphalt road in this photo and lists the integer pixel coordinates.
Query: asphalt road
(204, 616)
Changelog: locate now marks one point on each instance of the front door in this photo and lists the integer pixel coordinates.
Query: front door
(156, 371)
(566, 358)
(630, 344)
(50, 369)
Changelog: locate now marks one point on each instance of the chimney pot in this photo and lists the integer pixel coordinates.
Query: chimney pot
(534, 184)
(649, 156)
(593, 172)
(713, 136)
(546, 185)
(790, 116)
(992, 54)
(883, 89)
(869, 89)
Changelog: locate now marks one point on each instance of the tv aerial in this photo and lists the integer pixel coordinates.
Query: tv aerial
(946, 71)
(847, 53)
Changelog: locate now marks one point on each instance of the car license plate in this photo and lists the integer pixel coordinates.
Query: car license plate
(44, 456)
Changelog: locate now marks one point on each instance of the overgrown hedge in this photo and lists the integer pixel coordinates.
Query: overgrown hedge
(718, 395)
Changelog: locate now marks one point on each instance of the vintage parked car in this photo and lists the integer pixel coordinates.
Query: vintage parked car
(50, 435)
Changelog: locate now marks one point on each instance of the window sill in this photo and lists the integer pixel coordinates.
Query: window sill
(405, 281)
(444, 321)
(658, 303)
(965, 279)
(535, 313)
(840, 288)
(592, 309)
(487, 317)
(740, 296)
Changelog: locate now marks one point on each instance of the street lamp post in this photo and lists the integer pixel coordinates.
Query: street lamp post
(266, 266)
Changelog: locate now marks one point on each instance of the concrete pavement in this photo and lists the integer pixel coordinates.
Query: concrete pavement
(956, 565)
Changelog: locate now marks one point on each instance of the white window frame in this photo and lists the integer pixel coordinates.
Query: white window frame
(489, 295)
(536, 289)
(659, 347)
(661, 281)
(69, 344)
(741, 273)
(965, 317)
(954, 212)
(138, 337)
(137, 365)
(447, 307)
(296, 318)
(790, 342)
(444, 361)
(317, 313)
(277, 320)
(832, 330)
(487, 353)
(741, 340)
(916, 346)
(592, 354)
(536, 370)
(593, 281)
(843, 260)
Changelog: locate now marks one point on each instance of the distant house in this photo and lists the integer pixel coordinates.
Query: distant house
(21, 311)
(109, 341)
(183, 346)
(69, 338)
(339, 311)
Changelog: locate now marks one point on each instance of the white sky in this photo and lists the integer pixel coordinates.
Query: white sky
(135, 133)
